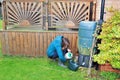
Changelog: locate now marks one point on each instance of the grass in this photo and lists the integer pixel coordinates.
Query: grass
(26, 68)
(17, 68)
(110, 76)
(0, 24)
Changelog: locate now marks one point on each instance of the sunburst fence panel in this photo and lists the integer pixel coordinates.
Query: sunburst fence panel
(24, 12)
(68, 13)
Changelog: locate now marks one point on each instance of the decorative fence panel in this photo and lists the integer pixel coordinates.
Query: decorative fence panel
(69, 13)
(48, 13)
(23, 12)
(32, 43)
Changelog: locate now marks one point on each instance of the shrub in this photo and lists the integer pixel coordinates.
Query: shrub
(110, 45)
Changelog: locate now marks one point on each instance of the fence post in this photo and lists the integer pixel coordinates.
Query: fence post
(46, 22)
(4, 15)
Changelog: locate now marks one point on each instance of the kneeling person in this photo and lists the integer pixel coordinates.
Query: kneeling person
(58, 48)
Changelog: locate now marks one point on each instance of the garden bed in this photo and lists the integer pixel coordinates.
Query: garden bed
(108, 67)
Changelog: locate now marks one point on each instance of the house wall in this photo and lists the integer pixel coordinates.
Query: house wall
(108, 3)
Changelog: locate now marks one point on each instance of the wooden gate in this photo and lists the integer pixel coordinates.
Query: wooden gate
(69, 13)
(23, 12)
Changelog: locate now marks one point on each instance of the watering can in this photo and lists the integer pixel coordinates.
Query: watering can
(68, 55)
(72, 65)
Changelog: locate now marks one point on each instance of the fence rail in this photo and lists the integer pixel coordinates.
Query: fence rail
(32, 43)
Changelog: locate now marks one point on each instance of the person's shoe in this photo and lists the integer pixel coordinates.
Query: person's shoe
(61, 64)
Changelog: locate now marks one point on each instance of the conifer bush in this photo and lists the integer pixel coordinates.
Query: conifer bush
(110, 45)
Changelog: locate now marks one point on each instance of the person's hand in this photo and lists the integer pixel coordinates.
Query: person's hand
(68, 50)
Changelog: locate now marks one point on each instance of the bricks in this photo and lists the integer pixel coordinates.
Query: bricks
(108, 67)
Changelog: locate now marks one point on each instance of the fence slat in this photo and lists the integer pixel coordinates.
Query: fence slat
(18, 42)
(41, 44)
(21, 43)
(29, 44)
(25, 43)
(3, 43)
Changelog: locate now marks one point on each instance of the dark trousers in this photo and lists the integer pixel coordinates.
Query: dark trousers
(55, 55)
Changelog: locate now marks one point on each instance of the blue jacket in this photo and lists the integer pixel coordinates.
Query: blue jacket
(56, 45)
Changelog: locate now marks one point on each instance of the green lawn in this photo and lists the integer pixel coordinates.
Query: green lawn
(17, 68)
(26, 68)
(23, 68)
(0, 24)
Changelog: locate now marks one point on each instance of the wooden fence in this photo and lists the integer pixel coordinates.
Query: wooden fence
(44, 14)
(32, 43)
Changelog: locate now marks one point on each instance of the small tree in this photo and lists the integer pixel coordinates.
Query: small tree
(110, 45)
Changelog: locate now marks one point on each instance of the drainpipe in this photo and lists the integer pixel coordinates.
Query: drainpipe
(102, 12)
(100, 26)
